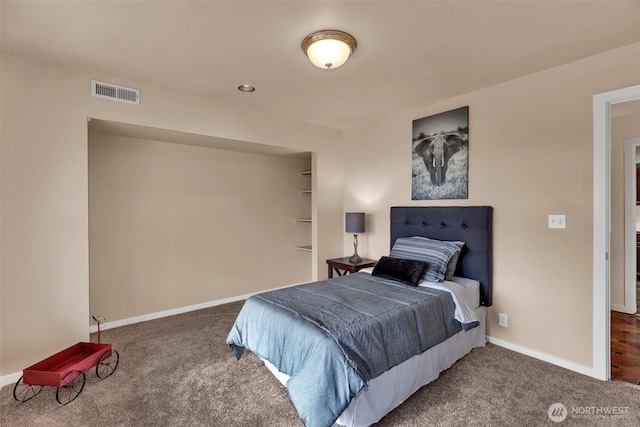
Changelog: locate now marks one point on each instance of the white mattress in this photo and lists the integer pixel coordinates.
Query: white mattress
(391, 388)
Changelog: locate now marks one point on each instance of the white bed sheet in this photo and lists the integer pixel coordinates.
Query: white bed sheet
(470, 287)
(391, 388)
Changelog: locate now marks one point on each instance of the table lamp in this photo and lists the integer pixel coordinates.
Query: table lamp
(354, 223)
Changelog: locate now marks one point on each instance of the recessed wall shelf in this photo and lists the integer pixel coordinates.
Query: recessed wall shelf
(306, 184)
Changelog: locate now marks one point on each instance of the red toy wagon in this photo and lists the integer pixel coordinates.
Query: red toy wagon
(66, 371)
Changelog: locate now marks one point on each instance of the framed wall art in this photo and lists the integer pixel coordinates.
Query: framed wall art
(440, 156)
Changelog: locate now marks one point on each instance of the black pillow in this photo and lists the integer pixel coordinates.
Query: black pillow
(406, 271)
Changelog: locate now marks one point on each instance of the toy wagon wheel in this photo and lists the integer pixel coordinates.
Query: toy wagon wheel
(70, 387)
(107, 364)
(23, 392)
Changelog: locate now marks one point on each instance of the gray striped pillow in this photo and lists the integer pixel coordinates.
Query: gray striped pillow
(434, 252)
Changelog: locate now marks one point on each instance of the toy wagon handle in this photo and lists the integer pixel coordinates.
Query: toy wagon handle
(98, 319)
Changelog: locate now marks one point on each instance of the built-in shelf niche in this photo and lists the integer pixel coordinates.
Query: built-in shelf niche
(305, 192)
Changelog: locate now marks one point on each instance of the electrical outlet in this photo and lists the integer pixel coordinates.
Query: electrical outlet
(503, 320)
(557, 221)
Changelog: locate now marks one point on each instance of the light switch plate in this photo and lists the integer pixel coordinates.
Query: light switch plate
(557, 221)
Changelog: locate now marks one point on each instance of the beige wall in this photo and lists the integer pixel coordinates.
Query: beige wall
(174, 225)
(44, 194)
(530, 155)
(623, 127)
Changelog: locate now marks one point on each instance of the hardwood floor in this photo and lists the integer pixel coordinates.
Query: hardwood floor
(625, 346)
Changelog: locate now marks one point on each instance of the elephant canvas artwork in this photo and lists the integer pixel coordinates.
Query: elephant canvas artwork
(440, 156)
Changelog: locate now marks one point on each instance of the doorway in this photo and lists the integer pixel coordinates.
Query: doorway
(602, 224)
(628, 304)
(625, 325)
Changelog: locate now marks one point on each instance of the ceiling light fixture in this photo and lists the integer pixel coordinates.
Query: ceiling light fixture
(328, 48)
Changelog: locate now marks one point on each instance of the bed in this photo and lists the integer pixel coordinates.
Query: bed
(351, 349)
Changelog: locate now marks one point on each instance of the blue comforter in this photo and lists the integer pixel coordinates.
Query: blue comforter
(332, 337)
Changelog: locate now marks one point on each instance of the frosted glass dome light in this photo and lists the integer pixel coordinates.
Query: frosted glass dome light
(328, 48)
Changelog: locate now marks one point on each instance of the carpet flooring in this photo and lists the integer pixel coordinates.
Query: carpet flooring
(178, 371)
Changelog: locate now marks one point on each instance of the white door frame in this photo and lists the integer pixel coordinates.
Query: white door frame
(602, 224)
(630, 251)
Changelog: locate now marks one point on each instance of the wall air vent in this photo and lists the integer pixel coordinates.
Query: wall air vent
(115, 92)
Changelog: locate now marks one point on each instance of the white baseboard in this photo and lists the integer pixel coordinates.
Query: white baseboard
(624, 309)
(166, 313)
(581, 369)
(10, 379)
(174, 311)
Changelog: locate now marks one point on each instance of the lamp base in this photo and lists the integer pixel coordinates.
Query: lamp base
(355, 259)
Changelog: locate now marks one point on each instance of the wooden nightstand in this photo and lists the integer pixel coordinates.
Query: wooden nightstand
(343, 266)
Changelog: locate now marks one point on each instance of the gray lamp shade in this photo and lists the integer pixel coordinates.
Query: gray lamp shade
(354, 222)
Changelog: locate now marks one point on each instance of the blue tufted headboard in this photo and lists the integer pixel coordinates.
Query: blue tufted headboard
(469, 224)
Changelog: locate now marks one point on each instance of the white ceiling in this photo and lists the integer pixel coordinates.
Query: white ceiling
(410, 53)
